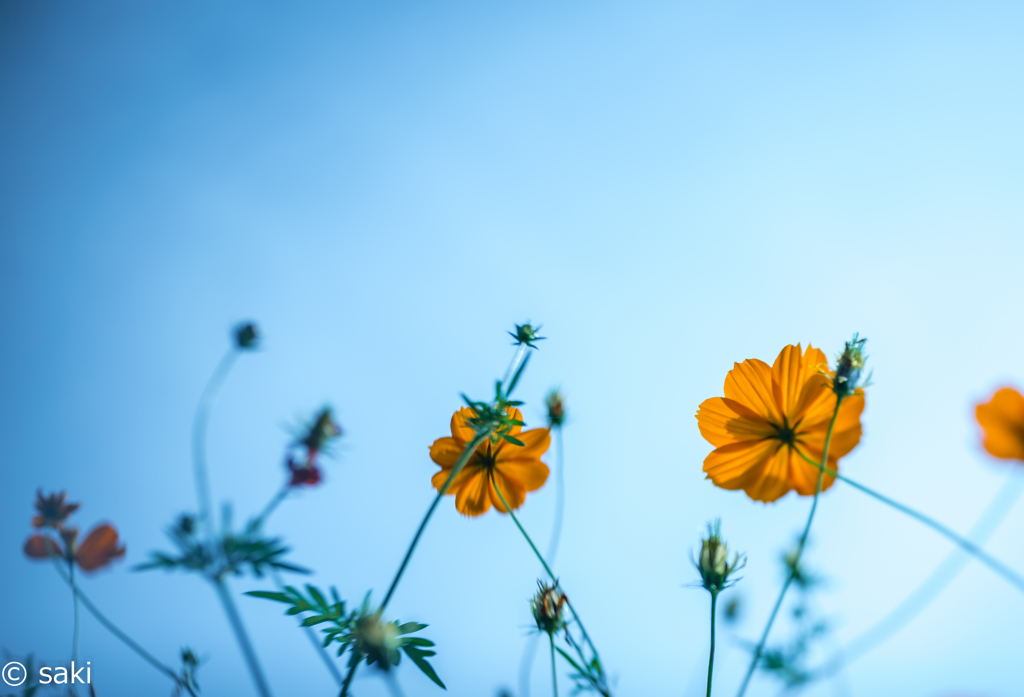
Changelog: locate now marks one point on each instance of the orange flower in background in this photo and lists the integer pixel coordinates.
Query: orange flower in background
(100, 547)
(1002, 420)
(517, 469)
(769, 417)
(52, 510)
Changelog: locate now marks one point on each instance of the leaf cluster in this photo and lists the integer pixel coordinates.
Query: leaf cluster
(493, 418)
(228, 553)
(359, 631)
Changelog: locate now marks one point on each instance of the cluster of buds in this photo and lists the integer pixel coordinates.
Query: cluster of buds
(526, 334)
(849, 372)
(99, 548)
(548, 607)
(714, 564)
(555, 403)
(315, 439)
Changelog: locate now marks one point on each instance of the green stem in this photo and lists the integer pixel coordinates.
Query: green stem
(113, 629)
(930, 588)
(551, 574)
(352, 665)
(199, 426)
(517, 358)
(554, 672)
(272, 505)
(459, 465)
(799, 551)
(332, 667)
(711, 656)
(243, 638)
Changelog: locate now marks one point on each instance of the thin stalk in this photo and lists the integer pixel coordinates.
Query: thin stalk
(314, 639)
(799, 551)
(78, 622)
(551, 574)
(930, 588)
(243, 638)
(352, 665)
(393, 687)
(554, 672)
(517, 358)
(711, 655)
(556, 528)
(459, 465)
(199, 426)
(113, 629)
(272, 505)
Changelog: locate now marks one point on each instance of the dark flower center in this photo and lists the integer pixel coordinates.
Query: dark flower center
(786, 434)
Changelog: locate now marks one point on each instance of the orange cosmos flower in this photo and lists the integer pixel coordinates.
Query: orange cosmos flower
(769, 417)
(100, 547)
(517, 469)
(1002, 420)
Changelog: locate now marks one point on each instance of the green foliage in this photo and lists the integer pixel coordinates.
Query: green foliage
(359, 631)
(228, 553)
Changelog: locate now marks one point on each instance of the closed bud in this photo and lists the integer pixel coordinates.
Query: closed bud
(555, 403)
(246, 336)
(547, 607)
(849, 374)
(713, 564)
(526, 334)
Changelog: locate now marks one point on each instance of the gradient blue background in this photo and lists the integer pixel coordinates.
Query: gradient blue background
(387, 188)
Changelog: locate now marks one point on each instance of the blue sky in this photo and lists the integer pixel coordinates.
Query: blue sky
(667, 187)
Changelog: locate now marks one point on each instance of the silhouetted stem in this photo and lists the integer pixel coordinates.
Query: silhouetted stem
(313, 638)
(199, 426)
(243, 638)
(799, 552)
(711, 655)
(554, 672)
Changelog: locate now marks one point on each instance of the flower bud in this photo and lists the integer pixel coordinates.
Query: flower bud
(526, 334)
(547, 607)
(378, 639)
(246, 336)
(850, 368)
(714, 564)
(555, 403)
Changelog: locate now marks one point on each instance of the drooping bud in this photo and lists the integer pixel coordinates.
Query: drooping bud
(555, 402)
(547, 607)
(526, 334)
(850, 368)
(714, 564)
(246, 336)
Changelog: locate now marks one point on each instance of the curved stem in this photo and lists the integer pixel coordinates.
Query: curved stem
(199, 425)
(554, 673)
(459, 465)
(272, 505)
(551, 574)
(930, 588)
(243, 638)
(799, 551)
(113, 629)
(711, 655)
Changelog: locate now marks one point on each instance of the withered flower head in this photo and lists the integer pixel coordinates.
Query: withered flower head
(547, 607)
(714, 564)
(246, 336)
(52, 509)
(303, 475)
(555, 402)
(320, 432)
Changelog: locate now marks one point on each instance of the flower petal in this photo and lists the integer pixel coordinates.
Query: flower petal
(462, 431)
(528, 474)
(536, 442)
(513, 492)
(36, 547)
(730, 466)
(1002, 420)
(845, 435)
(723, 421)
(750, 384)
(447, 451)
(441, 477)
(797, 381)
(518, 416)
(472, 498)
(99, 548)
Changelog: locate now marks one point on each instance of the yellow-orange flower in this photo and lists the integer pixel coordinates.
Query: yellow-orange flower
(1002, 420)
(517, 469)
(769, 417)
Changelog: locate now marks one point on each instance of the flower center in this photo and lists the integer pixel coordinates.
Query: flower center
(786, 434)
(484, 457)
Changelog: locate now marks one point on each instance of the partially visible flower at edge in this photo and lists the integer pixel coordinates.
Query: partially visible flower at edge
(1002, 423)
(52, 510)
(517, 469)
(768, 417)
